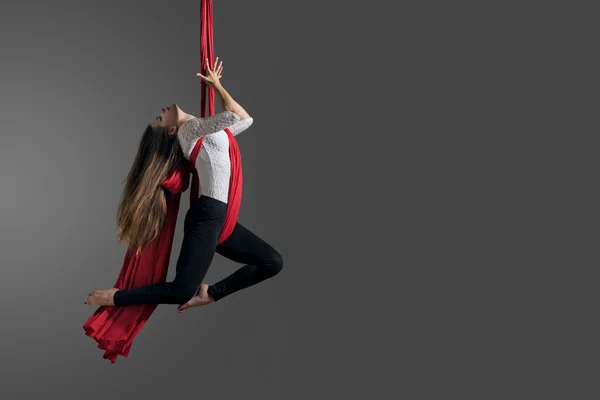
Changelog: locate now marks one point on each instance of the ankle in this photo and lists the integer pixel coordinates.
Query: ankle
(210, 294)
(112, 296)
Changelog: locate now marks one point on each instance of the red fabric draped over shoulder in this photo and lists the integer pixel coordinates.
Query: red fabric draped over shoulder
(115, 328)
(234, 197)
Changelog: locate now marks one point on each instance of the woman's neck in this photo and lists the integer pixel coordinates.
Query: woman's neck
(184, 118)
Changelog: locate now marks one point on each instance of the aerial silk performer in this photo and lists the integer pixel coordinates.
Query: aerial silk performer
(174, 145)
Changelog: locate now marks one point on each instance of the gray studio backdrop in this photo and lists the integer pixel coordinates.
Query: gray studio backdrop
(419, 165)
(79, 82)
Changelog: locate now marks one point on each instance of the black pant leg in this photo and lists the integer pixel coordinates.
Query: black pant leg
(243, 246)
(202, 226)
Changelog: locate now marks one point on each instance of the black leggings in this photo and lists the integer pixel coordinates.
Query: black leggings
(202, 226)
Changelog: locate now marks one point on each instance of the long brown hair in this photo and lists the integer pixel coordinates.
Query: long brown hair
(143, 207)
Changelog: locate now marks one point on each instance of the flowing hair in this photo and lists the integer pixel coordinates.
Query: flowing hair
(143, 207)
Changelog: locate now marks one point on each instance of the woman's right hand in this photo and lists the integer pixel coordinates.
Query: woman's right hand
(212, 74)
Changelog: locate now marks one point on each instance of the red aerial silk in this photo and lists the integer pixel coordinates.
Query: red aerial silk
(206, 52)
(234, 199)
(114, 328)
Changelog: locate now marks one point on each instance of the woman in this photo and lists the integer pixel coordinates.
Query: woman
(204, 220)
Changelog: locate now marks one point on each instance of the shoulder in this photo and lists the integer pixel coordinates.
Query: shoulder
(186, 132)
(214, 123)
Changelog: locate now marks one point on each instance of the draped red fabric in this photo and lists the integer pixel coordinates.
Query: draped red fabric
(234, 199)
(206, 52)
(115, 328)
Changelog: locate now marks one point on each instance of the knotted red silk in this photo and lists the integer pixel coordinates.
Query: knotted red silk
(114, 328)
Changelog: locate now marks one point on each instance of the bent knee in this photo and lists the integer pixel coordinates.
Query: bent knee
(275, 263)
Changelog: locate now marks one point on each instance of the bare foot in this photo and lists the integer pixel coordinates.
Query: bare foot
(101, 297)
(200, 299)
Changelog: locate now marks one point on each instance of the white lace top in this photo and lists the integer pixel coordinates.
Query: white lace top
(213, 164)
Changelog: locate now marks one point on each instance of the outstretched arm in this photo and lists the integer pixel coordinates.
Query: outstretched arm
(229, 104)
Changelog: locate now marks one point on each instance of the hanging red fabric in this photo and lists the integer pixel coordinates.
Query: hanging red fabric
(115, 328)
(234, 198)
(206, 52)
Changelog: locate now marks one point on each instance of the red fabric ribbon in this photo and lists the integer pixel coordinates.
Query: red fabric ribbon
(234, 197)
(114, 328)
(206, 52)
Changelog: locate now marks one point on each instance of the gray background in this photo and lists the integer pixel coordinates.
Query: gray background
(426, 169)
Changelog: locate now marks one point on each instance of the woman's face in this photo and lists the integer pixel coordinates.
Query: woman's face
(168, 118)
